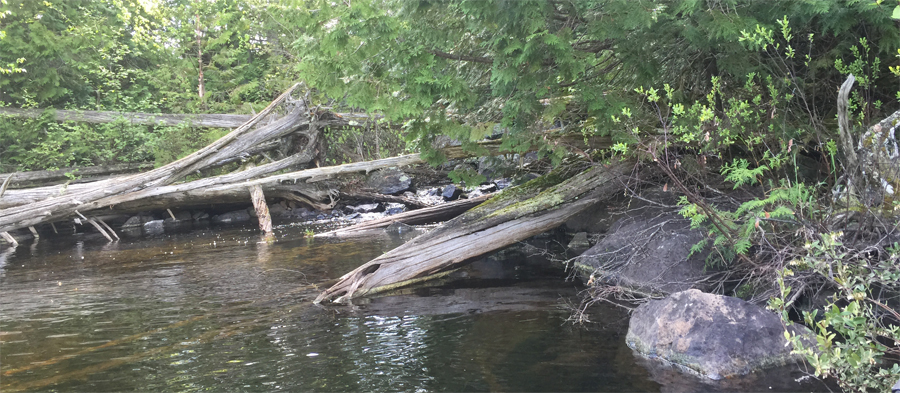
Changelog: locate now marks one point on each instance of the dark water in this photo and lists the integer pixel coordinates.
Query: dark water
(219, 311)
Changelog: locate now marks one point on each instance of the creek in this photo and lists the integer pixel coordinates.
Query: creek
(219, 310)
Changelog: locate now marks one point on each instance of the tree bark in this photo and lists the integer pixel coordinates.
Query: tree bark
(515, 215)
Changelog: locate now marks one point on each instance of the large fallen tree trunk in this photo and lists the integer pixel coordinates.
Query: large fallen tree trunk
(515, 215)
(232, 187)
(76, 174)
(161, 119)
(222, 186)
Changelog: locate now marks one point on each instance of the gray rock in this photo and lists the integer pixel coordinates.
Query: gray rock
(451, 193)
(714, 336)
(232, 217)
(154, 227)
(388, 181)
(280, 209)
(594, 219)
(367, 208)
(579, 241)
(199, 215)
(394, 208)
(134, 221)
(137, 221)
(649, 251)
(482, 190)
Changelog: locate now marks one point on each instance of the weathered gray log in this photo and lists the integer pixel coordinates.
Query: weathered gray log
(270, 184)
(262, 210)
(428, 215)
(515, 215)
(196, 120)
(56, 208)
(23, 179)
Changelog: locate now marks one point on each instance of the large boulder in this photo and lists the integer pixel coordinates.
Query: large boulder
(650, 250)
(714, 336)
(388, 181)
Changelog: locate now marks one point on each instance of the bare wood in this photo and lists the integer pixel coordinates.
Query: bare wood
(11, 240)
(516, 214)
(426, 215)
(108, 228)
(98, 197)
(98, 228)
(6, 184)
(199, 120)
(65, 173)
(34, 232)
(233, 187)
(844, 123)
(196, 120)
(262, 210)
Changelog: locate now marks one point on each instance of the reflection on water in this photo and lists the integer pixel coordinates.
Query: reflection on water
(223, 311)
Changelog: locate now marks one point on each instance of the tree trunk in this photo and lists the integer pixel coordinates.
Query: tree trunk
(81, 174)
(515, 215)
(161, 119)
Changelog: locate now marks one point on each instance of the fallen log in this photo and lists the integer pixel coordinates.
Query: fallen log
(155, 189)
(99, 196)
(31, 179)
(161, 119)
(514, 215)
(426, 215)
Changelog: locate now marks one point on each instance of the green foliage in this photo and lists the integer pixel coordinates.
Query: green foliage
(362, 143)
(853, 334)
(45, 144)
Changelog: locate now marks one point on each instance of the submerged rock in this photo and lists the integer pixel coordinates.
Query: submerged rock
(154, 227)
(714, 336)
(137, 221)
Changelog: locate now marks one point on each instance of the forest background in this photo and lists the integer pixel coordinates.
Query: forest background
(739, 92)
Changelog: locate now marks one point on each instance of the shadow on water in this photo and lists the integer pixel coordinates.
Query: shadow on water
(220, 310)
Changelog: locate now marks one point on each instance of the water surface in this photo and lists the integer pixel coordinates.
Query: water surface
(218, 310)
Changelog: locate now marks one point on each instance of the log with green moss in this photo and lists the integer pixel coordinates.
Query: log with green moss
(514, 215)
